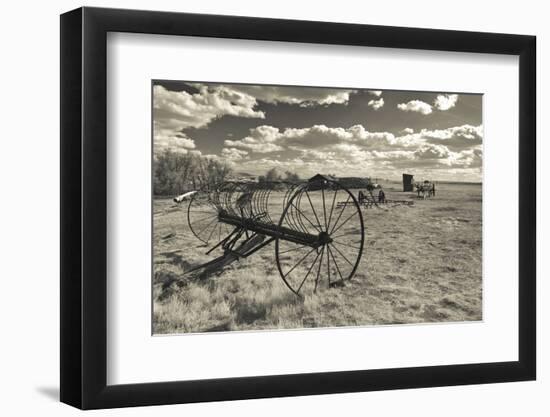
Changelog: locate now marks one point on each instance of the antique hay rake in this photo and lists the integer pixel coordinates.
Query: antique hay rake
(425, 189)
(317, 241)
(367, 199)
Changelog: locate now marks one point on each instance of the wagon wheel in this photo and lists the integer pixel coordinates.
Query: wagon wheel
(329, 211)
(202, 217)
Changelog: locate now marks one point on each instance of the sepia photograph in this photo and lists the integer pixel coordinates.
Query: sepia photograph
(292, 207)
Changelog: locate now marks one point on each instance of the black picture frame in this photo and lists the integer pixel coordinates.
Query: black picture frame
(84, 207)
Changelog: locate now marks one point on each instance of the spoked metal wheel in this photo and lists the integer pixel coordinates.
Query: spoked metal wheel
(202, 217)
(330, 212)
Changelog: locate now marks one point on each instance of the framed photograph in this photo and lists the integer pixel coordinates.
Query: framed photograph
(256, 208)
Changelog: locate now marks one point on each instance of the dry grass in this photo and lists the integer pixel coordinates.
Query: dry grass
(420, 264)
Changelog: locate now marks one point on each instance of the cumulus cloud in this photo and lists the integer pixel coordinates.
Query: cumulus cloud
(302, 96)
(417, 106)
(470, 158)
(356, 151)
(253, 146)
(456, 138)
(264, 139)
(376, 93)
(260, 140)
(166, 139)
(199, 109)
(234, 154)
(376, 104)
(445, 102)
(442, 102)
(430, 151)
(174, 111)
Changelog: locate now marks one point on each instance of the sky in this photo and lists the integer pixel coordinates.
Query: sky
(310, 130)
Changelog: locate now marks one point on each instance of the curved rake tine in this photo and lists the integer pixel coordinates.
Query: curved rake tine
(291, 218)
(304, 226)
(299, 218)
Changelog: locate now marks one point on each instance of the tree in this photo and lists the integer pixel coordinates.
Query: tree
(273, 175)
(291, 176)
(175, 173)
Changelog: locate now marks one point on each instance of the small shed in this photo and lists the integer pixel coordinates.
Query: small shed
(317, 181)
(408, 182)
(320, 177)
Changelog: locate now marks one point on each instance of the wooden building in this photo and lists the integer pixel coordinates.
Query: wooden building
(408, 182)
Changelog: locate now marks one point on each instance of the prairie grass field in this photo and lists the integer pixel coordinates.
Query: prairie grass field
(419, 264)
